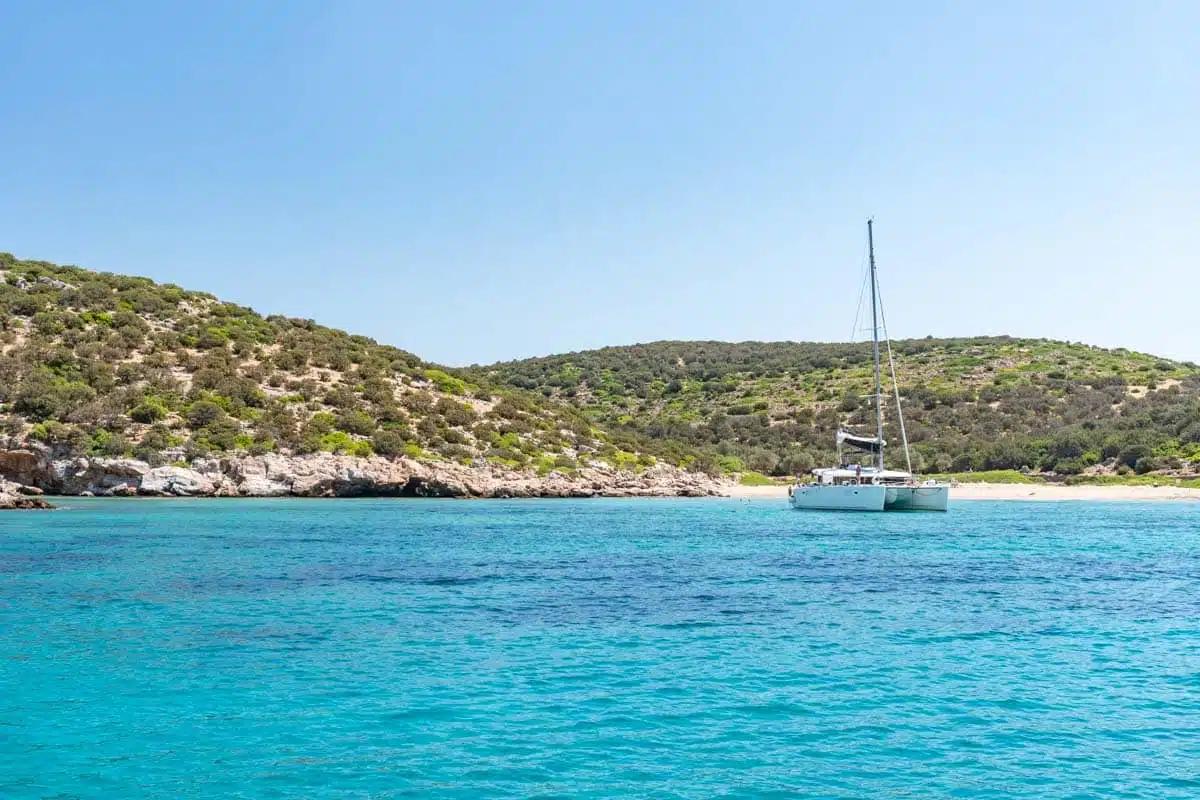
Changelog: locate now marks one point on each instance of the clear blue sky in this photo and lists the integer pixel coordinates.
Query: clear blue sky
(475, 181)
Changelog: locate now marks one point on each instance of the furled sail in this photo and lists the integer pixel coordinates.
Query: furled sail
(870, 444)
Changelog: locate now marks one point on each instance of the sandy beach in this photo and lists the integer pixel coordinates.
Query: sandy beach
(1022, 491)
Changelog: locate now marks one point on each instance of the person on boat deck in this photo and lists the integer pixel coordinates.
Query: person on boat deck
(858, 472)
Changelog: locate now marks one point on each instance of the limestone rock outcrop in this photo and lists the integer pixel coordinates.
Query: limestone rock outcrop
(18, 497)
(175, 481)
(328, 475)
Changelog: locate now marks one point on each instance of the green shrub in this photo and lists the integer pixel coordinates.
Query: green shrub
(801, 463)
(624, 461)
(262, 445)
(48, 323)
(417, 401)
(513, 407)
(153, 442)
(1068, 466)
(341, 397)
(731, 464)
(44, 395)
(309, 442)
(389, 442)
(220, 434)
(455, 413)
(71, 437)
(107, 443)
(702, 463)
(337, 442)
(446, 383)
(151, 409)
(212, 337)
(203, 413)
(356, 422)
(1132, 454)
(321, 423)
(50, 432)
(987, 476)
(342, 442)
(1147, 464)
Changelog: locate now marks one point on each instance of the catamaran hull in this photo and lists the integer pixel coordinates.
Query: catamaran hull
(917, 498)
(829, 497)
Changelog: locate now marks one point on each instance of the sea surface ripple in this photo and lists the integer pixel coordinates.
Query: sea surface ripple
(604, 648)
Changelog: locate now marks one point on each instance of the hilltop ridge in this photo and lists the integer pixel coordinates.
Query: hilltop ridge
(982, 403)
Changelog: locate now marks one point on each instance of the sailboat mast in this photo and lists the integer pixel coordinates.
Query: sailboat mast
(875, 336)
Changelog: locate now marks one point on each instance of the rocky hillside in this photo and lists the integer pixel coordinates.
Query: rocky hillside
(100, 366)
(969, 404)
(108, 382)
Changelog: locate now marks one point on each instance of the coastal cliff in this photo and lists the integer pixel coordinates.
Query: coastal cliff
(329, 475)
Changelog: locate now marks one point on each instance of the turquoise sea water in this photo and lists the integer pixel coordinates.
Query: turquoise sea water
(659, 648)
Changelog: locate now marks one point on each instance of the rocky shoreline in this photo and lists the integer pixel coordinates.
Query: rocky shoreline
(34, 472)
(14, 496)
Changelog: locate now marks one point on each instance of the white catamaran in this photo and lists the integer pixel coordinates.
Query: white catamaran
(871, 487)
